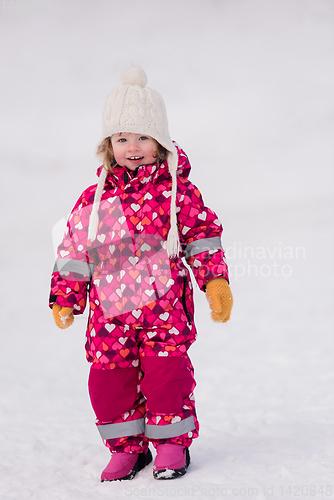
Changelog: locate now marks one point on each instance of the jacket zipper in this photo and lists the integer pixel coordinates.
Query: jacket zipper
(184, 299)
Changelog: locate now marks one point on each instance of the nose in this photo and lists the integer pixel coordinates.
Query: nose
(133, 146)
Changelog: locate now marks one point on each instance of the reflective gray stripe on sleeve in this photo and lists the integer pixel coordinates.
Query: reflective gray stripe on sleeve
(170, 430)
(202, 245)
(122, 429)
(74, 266)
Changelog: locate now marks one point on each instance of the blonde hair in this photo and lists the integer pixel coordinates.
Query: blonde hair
(105, 153)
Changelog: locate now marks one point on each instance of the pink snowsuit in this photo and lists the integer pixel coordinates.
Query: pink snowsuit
(141, 318)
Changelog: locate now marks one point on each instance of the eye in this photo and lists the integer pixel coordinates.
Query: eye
(143, 138)
(122, 139)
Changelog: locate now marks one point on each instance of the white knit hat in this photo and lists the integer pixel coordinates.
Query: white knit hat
(134, 108)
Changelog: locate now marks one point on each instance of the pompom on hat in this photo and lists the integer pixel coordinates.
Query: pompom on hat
(135, 108)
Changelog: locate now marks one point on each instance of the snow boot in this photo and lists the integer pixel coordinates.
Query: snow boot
(172, 461)
(125, 465)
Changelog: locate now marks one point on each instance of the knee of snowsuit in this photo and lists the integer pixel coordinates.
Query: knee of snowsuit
(167, 382)
(112, 392)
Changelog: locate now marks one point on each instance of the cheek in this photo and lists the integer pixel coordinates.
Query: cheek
(153, 155)
(117, 152)
(153, 150)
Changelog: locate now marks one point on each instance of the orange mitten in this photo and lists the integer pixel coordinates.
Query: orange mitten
(220, 299)
(63, 316)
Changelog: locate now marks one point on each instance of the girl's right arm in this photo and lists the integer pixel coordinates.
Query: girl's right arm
(75, 261)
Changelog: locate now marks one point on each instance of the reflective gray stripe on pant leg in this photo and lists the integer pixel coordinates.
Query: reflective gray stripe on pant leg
(170, 430)
(122, 429)
(74, 266)
(202, 245)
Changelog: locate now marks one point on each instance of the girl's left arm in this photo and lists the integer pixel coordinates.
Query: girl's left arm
(200, 235)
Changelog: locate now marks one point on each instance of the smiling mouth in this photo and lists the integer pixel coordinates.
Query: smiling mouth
(135, 158)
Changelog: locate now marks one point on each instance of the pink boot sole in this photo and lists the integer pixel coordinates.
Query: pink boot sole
(172, 461)
(124, 466)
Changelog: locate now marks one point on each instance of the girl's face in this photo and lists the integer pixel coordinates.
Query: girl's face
(132, 150)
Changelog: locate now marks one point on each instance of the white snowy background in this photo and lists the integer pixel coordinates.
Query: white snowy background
(248, 86)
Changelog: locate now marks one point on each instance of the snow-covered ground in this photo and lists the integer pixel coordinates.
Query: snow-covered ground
(248, 88)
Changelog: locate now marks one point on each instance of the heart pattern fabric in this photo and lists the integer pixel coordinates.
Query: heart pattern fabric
(133, 282)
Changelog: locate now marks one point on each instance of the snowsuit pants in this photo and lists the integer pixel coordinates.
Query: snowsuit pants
(146, 394)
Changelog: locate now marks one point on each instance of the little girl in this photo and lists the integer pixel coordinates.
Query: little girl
(123, 245)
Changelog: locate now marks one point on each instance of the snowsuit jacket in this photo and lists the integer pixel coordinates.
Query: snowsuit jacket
(126, 270)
